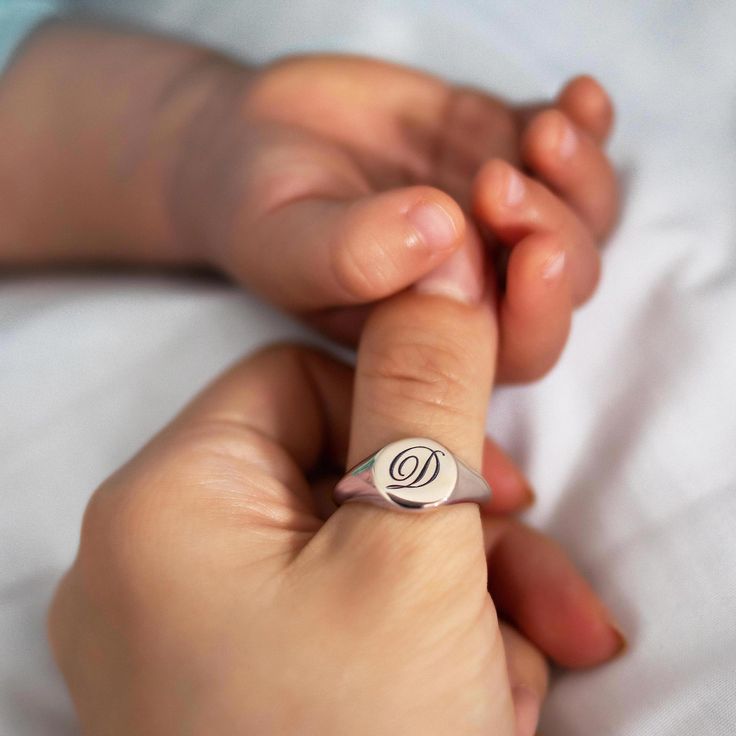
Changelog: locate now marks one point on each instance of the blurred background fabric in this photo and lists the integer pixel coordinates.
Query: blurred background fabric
(630, 442)
(17, 18)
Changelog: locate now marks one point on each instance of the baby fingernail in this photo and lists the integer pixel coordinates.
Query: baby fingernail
(514, 188)
(459, 278)
(434, 225)
(526, 708)
(567, 140)
(554, 266)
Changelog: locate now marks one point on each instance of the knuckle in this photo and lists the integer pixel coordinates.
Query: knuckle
(280, 362)
(211, 470)
(94, 535)
(422, 374)
(477, 119)
(361, 273)
(146, 502)
(119, 536)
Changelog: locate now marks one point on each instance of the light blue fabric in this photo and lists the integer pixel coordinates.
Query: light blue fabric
(17, 19)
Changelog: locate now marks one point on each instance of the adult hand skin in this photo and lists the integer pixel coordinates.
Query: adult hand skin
(210, 595)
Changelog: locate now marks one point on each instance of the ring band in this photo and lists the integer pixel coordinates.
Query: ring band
(412, 474)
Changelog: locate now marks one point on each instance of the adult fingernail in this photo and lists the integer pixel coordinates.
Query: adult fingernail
(434, 225)
(553, 267)
(459, 278)
(529, 498)
(526, 708)
(621, 643)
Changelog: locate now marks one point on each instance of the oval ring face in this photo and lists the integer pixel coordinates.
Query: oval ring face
(415, 472)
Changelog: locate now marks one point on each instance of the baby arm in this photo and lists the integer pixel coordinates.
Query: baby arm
(92, 122)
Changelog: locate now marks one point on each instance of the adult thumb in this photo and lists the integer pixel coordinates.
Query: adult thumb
(425, 369)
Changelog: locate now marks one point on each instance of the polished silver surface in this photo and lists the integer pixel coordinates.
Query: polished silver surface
(412, 474)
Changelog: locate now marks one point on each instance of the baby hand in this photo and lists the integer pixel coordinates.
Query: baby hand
(331, 181)
(323, 183)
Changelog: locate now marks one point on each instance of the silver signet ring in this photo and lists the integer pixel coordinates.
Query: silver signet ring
(412, 474)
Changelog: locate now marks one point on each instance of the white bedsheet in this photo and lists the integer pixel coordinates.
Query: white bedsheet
(631, 442)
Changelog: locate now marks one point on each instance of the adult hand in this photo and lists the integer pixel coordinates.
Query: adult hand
(210, 595)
